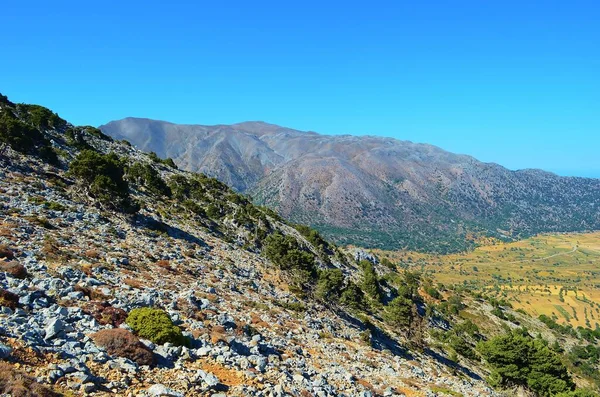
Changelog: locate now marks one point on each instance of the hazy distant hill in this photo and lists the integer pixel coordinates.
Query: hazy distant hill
(373, 191)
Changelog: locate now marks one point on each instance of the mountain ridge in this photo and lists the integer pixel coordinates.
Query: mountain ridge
(402, 195)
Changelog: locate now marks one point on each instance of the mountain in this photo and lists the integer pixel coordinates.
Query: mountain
(121, 274)
(373, 191)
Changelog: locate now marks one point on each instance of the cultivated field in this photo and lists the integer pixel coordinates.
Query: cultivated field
(556, 275)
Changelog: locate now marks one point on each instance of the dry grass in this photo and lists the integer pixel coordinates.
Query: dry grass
(17, 384)
(134, 283)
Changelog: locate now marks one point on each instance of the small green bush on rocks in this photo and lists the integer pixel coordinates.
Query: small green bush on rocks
(155, 325)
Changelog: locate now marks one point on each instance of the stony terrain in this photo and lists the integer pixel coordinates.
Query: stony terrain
(66, 260)
(91, 234)
(374, 191)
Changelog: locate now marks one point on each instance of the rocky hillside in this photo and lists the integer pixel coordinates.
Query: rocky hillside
(121, 274)
(372, 191)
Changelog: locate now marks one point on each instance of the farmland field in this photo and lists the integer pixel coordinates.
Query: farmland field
(557, 275)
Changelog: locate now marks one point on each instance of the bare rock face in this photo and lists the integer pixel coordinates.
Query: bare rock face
(373, 191)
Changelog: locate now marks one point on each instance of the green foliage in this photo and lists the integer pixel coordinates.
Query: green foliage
(399, 312)
(288, 255)
(353, 297)
(39, 116)
(155, 325)
(578, 393)
(102, 177)
(370, 282)
(462, 347)
(23, 137)
(97, 133)
(329, 285)
(453, 305)
(146, 176)
(518, 359)
(313, 237)
(168, 161)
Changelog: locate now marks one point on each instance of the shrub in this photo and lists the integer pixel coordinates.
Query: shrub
(399, 312)
(146, 176)
(155, 325)
(8, 299)
(517, 359)
(24, 138)
(106, 314)
(462, 347)
(329, 285)
(13, 268)
(6, 253)
(41, 117)
(353, 297)
(370, 282)
(168, 161)
(285, 252)
(17, 384)
(122, 343)
(102, 177)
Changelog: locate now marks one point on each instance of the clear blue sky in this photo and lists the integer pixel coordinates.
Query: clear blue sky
(514, 82)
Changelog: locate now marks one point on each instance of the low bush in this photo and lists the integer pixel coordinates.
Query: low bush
(17, 384)
(13, 268)
(106, 314)
(329, 285)
(155, 325)
(146, 176)
(101, 176)
(8, 299)
(517, 359)
(6, 253)
(122, 343)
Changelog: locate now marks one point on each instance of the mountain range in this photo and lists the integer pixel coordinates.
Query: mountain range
(373, 191)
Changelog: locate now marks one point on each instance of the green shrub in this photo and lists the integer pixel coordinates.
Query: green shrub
(370, 282)
(517, 359)
(101, 175)
(329, 285)
(168, 161)
(155, 325)
(146, 176)
(352, 297)
(289, 256)
(399, 312)
(462, 347)
(24, 138)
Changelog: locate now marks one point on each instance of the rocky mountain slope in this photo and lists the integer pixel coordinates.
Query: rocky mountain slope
(123, 275)
(373, 191)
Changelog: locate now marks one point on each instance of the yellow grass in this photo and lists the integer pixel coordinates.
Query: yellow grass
(529, 273)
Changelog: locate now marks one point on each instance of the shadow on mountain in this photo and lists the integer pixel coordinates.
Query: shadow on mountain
(452, 364)
(149, 223)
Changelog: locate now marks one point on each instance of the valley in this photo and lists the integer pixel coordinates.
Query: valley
(556, 275)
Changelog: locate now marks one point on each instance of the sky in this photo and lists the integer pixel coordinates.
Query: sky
(512, 82)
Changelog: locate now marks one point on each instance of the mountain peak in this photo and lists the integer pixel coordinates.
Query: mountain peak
(371, 190)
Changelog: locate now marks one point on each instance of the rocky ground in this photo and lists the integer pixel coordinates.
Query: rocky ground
(67, 261)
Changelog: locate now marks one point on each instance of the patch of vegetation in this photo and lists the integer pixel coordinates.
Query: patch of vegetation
(146, 176)
(122, 343)
(285, 252)
(24, 137)
(101, 176)
(168, 161)
(517, 359)
(16, 383)
(155, 325)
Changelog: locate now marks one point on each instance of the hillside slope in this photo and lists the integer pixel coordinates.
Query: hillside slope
(121, 274)
(373, 191)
